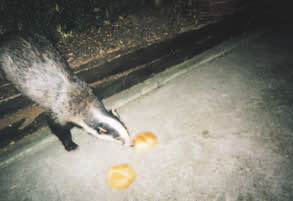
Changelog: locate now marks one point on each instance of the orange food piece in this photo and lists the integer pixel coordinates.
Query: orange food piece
(144, 140)
(121, 176)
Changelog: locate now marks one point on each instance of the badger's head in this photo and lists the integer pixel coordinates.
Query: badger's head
(106, 125)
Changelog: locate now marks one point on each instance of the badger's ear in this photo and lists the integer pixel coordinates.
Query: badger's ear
(115, 113)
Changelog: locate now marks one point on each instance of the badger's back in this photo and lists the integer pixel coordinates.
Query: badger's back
(33, 66)
(39, 72)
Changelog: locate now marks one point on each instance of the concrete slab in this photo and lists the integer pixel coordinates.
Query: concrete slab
(224, 133)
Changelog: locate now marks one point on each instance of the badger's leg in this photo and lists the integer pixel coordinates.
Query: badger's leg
(63, 133)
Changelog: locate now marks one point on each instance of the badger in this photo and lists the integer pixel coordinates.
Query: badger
(38, 71)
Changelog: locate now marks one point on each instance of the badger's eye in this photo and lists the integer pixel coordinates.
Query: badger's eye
(102, 130)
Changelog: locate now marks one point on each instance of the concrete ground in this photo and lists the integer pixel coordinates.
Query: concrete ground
(224, 128)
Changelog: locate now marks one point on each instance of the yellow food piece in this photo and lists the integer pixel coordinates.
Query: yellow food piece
(121, 176)
(144, 140)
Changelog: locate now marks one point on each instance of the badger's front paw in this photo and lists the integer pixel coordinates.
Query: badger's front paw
(70, 146)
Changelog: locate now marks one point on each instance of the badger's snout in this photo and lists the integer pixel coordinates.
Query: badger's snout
(124, 138)
(128, 142)
(118, 128)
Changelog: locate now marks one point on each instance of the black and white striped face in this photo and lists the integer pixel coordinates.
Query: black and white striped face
(108, 126)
